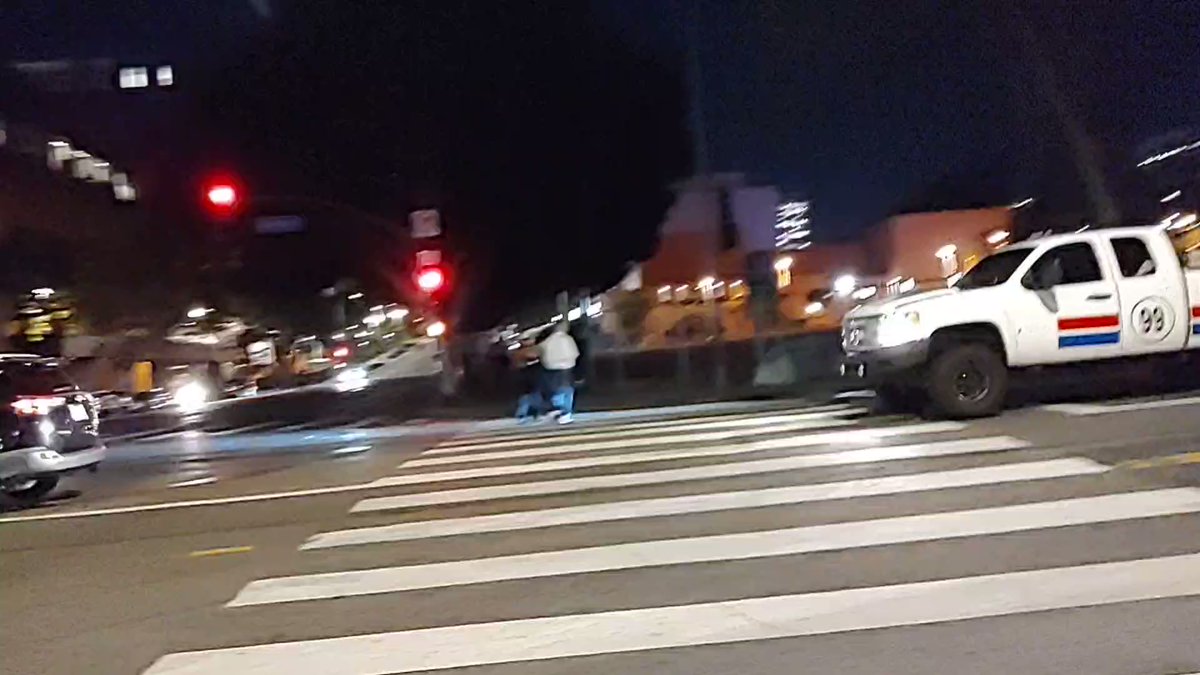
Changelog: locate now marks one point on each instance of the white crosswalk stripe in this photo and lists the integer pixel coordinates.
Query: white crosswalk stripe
(850, 436)
(831, 417)
(726, 501)
(676, 439)
(861, 456)
(727, 547)
(708, 623)
(878, 490)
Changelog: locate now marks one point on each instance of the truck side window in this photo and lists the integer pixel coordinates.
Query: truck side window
(1133, 257)
(1076, 264)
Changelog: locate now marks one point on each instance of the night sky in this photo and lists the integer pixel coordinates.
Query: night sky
(862, 107)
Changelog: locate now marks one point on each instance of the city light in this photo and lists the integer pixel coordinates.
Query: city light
(354, 296)
(435, 329)
(864, 293)
(1169, 154)
(908, 285)
(574, 314)
(783, 263)
(705, 283)
(947, 251)
(1174, 195)
(42, 292)
(1021, 204)
(844, 285)
(1183, 221)
(997, 236)
(397, 314)
(814, 308)
(373, 320)
(198, 312)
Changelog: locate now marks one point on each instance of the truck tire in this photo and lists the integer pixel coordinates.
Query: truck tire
(967, 380)
(23, 496)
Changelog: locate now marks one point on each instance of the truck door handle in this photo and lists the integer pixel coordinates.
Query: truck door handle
(1099, 296)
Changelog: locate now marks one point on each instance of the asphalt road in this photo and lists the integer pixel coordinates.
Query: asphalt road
(707, 540)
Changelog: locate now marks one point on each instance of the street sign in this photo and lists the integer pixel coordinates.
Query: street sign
(425, 223)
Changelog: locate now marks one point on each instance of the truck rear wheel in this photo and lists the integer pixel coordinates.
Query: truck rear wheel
(967, 380)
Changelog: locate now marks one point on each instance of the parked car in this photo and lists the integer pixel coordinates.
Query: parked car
(1079, 299)
(48, 428)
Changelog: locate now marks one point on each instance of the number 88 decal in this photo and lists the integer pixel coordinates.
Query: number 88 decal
(1152, 319)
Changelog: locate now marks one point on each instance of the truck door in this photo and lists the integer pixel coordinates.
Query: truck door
(1068, 309)
(1155, 316)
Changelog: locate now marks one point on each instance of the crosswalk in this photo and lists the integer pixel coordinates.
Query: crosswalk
(555, 545)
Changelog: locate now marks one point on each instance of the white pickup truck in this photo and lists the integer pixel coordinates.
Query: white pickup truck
(1072, 298)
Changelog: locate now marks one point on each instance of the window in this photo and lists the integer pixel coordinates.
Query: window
(133, 78)
(1133, 257)
(994, 269)
(1066, 264)
(165, 76)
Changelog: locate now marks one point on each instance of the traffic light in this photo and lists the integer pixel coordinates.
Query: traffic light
(222, 197)
(430, 279)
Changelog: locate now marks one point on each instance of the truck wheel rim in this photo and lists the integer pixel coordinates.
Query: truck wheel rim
(971, 383)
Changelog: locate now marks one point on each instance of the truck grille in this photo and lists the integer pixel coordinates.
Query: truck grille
(860, 333)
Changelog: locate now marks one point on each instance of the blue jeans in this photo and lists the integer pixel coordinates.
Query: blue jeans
(562, 390)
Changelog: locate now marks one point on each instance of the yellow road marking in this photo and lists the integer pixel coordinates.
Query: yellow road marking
(1165, 460)
(220, 551)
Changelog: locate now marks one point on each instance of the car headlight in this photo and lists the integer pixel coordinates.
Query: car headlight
(351, 379)
(350, 374)
(899, 328)
(191, 397)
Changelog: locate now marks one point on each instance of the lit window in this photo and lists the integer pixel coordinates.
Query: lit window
(134, 78)
(165, 76)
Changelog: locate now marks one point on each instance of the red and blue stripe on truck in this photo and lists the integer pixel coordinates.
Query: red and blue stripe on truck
(1089, 331)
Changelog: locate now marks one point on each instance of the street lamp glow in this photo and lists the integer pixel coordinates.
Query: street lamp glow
(1174, 195)
(197, 312)
(354, 296)
(844, 285)
(42, 292)
(435, 329)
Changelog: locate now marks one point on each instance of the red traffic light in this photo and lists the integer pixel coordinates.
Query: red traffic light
(430, 279)
(222, 195)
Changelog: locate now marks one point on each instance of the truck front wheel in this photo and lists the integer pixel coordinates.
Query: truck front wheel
(967, 380)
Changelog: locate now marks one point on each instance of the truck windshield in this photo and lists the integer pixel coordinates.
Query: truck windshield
(994, 270)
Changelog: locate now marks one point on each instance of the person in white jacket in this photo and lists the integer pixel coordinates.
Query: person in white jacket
(558, 354)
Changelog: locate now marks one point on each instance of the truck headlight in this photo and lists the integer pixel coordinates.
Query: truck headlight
(900, 328)
(191, 397)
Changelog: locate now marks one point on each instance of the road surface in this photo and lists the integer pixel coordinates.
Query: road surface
(1061, 539)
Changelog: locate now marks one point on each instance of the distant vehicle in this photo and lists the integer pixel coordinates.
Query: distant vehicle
(1074, 299)
(48, 428)
(113, 402)
(240, 389)
(152, 399)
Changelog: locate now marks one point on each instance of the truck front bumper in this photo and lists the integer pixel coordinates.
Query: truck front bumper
(886, 362)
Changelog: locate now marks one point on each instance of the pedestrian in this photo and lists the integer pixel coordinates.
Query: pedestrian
(558, 354)
(530, 402)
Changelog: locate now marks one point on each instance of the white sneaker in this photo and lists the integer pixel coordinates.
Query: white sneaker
(565, 418)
